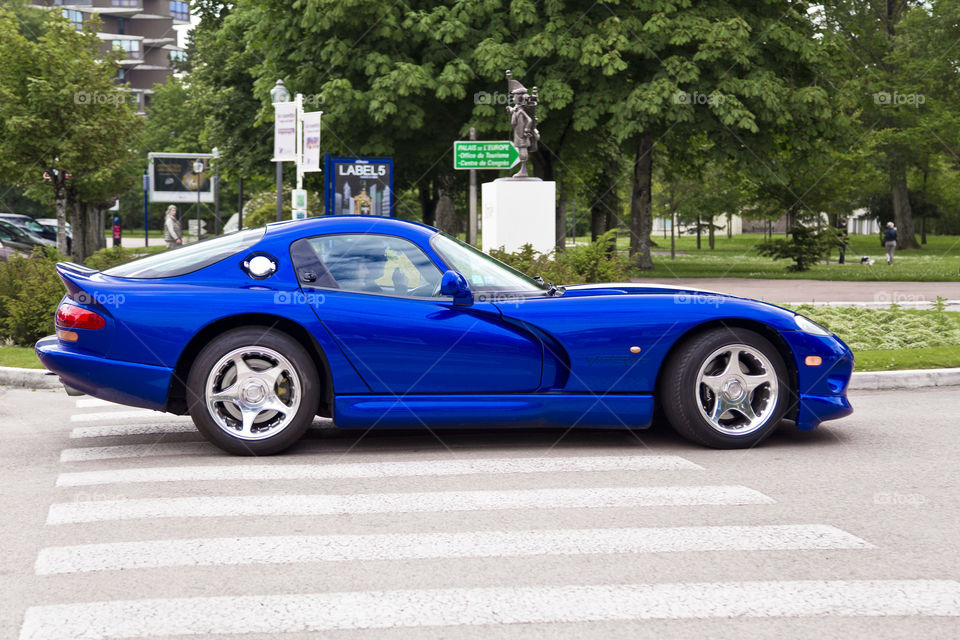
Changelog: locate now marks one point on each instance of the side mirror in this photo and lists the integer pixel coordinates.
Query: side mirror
(454, 284)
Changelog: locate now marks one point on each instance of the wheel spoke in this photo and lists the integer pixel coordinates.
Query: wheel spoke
(271, 375)
(754, 381)
(275, 404)
(249, 416)
(225, 395)
(243, 369)
(733, 364)
(720, 407)
(714, 382)
(746, 409)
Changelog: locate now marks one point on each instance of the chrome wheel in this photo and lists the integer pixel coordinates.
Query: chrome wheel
(253, 393)
(737, 389)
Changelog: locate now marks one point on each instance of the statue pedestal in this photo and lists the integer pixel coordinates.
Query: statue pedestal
(518, 212)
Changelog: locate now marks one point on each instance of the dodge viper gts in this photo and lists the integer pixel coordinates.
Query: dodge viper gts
(383, 323)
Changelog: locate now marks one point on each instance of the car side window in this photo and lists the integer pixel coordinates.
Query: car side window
(367, 263)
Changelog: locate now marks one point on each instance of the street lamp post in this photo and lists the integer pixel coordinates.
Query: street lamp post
(198, 174)
(279, 94)
(216, 193)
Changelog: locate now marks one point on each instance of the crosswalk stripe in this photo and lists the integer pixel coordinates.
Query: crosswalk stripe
(440, 501)
(109, 430)
(376, 469)
(83, 454)
(133, 414)
(270, 614)
(152, 554)
(86, 403)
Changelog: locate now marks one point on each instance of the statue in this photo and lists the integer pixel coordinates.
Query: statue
(522, 107)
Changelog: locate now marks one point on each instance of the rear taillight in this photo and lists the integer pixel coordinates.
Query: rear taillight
(70, 316)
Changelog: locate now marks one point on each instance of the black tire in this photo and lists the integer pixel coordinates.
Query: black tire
(307, 391)
(686, 401)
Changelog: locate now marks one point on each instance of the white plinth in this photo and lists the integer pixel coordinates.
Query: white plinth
(518, 212)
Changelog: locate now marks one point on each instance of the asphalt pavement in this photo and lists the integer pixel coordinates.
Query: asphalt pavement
(121, 523)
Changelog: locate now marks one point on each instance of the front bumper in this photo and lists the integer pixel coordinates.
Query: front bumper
(129, 383)
(822, 390)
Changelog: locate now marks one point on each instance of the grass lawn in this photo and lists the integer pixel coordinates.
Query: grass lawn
(134, 233)
(938, 260)
(23, 357)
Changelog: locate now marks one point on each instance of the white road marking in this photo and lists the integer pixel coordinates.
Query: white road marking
(86, 403)
(131, 430)
(376, 469)
(311, 505)
(271, 614)
(150, 554)
(136, 451)
(133, 414)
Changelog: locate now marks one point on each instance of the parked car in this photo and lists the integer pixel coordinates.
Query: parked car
(50, 224)
(383, 323)
(19, 238)
(6, 252)
(33, 227)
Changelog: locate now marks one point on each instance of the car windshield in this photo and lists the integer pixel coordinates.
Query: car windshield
(485, 274)
(190, 258)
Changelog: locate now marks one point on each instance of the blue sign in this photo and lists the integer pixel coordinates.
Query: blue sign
(359, 186)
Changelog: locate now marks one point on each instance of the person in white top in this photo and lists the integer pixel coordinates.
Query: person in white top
(172, 232)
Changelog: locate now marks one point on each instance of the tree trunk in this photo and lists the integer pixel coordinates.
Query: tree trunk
(729, 226)
(444, 215)
(61, 204)
(902, 214)
(428, 202)
(699, 231)
(712, 235)
(598, 219)
(561, 231)
(641, 216)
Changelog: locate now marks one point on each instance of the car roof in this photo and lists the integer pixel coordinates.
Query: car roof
(350, 224)
(14, 216)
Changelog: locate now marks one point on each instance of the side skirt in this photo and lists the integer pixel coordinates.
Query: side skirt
(502, 410)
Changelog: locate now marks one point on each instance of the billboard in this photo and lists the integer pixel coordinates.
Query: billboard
(359, 186)
(172, 178)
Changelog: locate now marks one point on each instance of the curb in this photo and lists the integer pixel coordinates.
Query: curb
(905, 379)
(860, 381)
(29, 378)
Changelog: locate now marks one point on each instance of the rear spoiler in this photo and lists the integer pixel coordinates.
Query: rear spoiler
(74, 277)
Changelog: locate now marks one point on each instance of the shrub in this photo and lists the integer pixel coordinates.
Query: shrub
(805, 247)
(596, 262)
(30, 292)
(110, 257)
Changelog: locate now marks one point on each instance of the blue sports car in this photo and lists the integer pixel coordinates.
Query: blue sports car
(380, 323)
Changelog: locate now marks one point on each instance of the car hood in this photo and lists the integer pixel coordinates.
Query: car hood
(625, 288)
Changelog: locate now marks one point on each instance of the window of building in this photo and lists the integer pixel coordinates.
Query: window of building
(179, 10)
(178, 56)
(75, 17)
(130, 47)
(124, 3)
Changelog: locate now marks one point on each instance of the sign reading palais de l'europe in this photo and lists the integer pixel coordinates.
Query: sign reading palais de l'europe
(484, 154)
(359, 186)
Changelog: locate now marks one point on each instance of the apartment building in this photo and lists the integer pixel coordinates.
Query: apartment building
(141, 30)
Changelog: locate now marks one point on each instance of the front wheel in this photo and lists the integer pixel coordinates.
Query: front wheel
(727, 389)
(253, 391)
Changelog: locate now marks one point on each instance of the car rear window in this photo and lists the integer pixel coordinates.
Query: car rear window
(193, 257)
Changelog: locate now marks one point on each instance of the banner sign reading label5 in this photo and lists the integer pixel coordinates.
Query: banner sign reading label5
(359, 186)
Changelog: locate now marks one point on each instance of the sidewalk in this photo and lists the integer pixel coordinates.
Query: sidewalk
(821, 290)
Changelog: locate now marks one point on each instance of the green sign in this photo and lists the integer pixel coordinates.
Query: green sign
(487, 154)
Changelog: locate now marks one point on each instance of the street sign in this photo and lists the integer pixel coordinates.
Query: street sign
(484, 154)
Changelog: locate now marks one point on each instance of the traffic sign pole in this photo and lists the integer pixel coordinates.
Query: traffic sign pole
(472, 221)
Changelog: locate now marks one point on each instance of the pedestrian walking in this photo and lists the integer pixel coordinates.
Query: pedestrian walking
(890, 241)
(172, 233)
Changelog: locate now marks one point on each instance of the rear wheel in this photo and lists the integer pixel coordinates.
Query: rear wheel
(727, 389)
(253, 391)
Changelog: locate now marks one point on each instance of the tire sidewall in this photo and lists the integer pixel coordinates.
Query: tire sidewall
(252, 337)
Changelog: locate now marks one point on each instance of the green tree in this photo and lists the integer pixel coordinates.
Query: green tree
(64, 123)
